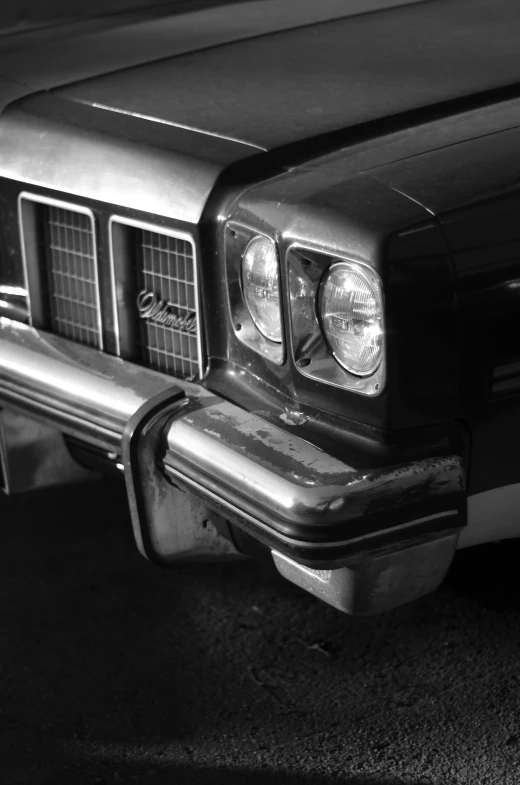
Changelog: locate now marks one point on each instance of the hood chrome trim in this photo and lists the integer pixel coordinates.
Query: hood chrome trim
(139, 116)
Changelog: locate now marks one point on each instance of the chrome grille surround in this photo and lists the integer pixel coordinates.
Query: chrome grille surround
(67, 233)
(168, 312)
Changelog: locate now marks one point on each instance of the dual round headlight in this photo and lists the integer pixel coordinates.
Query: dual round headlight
(349, 306)
(351, 315)
(261, 286)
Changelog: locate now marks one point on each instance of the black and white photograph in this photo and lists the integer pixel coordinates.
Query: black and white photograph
(260, 392)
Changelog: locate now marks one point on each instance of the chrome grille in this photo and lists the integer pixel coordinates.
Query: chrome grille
(169, 326)
(72, 274)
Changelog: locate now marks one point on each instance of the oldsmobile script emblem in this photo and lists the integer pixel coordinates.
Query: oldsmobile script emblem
(151, 307)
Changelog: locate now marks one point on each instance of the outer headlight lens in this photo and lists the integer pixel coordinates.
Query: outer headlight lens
(261, 286)
(352, 318)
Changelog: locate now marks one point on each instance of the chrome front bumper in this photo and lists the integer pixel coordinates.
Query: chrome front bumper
(85, 393)
(194, 462)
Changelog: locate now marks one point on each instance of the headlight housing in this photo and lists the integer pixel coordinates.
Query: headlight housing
(337, 320)
(351, 314)
(261, 286)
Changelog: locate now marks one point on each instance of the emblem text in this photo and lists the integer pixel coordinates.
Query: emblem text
(150, 306)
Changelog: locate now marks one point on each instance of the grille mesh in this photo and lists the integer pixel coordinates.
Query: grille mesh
(168, 272)
(71, 267)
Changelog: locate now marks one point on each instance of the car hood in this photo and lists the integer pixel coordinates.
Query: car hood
(268, 86)
(59, 55)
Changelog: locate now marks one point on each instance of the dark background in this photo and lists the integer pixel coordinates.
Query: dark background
(113, 670)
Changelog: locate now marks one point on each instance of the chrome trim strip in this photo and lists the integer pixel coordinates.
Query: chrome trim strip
(24, 258)
(150, 227)
(140, 116)
(77, 208)
(4, 465)
(13, 291)
(113, 293)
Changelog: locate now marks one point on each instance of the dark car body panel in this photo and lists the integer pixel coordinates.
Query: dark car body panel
(279, 89)
(474, 190)
(329, 75)
(47, 60)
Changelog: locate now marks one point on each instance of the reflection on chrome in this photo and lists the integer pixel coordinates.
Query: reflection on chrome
(14, 291)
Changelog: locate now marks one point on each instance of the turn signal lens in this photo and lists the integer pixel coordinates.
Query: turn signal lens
(352, 317)
(261, 286)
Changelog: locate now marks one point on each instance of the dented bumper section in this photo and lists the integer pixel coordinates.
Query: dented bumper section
(205, 478)
(362, 541)
(290, 493)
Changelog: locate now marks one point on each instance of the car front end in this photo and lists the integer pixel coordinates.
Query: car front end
(269, 346)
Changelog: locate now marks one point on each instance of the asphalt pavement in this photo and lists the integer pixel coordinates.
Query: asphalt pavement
(115, 671)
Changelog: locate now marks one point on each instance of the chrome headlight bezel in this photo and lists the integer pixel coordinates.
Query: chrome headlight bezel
(252, 305)
(372, 285)
(237, 238)
(306, 268)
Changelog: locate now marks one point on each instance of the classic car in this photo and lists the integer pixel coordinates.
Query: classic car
(263, 262)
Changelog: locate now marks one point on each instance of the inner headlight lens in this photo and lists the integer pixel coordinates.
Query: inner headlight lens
(261, 286)
(352, 318)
